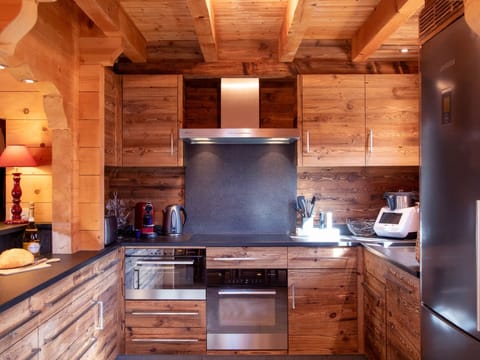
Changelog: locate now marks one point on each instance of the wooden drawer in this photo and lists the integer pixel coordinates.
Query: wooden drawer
(247, 257)
(25, 348)
(16, 322)
(188, 340)
(165, 314)
(322, 258)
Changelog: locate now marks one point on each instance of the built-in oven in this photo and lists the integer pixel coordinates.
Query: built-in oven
(165, 273)
(247, 309)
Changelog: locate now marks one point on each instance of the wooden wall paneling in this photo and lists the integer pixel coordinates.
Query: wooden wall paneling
(162, 186)
(91, 156)
(26, 123)
(278, 103)
(113, 118)
(354, 192)
(180, 116)
(202, 103)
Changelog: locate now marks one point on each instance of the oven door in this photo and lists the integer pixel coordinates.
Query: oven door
(247, 318)
(163, 277)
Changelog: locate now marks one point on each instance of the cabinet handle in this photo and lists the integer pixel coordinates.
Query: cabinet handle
(165, 313)
(370, 141)
(136, 278)
(171, 143)
(69, 291)
(235, 259)
(63, 329)
(15, 327)
(93, 341)
(166, 340)
(308, 141)
(100, 315)
(293, 296)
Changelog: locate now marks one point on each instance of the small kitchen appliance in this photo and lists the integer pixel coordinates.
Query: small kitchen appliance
(400, 218)
(144, 217)
(173, 221)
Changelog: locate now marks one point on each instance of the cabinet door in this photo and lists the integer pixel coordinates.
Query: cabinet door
(150, 120)
(322, 315)
(403, 316)
(375, 332)
(392, 119)
(333, 120)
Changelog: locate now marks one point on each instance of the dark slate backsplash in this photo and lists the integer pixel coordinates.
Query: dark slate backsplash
(238, 189)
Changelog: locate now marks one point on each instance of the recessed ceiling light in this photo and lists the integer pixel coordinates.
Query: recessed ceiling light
(29, 81)
(2, 67)
(404, 50)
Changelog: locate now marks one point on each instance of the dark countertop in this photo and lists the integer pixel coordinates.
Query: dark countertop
(15, 288)
(18, 287)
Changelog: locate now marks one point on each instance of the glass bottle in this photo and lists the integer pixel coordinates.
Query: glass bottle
(31, 239)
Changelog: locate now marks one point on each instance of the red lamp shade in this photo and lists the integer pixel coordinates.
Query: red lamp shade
(16, 156)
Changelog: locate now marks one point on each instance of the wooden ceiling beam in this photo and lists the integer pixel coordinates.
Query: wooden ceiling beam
(204, 22)
(385, 19)
(112, 19)
(295, 23)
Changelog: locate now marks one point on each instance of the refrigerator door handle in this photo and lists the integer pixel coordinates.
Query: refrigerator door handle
(477, 239)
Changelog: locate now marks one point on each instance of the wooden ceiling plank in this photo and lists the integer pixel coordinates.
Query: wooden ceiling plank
(111, 18)
(297, 19)
(204, 22)
(386, 18)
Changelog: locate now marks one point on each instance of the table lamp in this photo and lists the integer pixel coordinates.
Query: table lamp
(16, 156)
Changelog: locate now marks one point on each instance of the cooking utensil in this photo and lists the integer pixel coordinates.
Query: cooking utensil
(301, 205)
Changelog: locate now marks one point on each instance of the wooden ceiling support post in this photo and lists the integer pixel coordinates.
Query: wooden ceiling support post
(204, 22)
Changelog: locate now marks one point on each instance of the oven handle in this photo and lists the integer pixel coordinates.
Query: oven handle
(172, 340)
(166, 262)
(235, 259)
(246, 292)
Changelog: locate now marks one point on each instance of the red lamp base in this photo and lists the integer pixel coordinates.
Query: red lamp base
(16, 209)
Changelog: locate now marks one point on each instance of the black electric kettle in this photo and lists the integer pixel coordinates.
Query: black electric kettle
(173, 220)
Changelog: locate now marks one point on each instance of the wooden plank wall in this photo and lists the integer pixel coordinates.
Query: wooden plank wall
(354, 192)
(349, 192)
(22, 106)
(161, 186)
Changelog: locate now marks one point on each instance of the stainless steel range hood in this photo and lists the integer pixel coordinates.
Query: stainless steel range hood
(240, 118)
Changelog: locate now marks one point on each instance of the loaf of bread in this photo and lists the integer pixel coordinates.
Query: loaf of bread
(13, 258)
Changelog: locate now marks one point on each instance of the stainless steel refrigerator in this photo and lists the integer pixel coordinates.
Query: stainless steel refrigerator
(450, 194)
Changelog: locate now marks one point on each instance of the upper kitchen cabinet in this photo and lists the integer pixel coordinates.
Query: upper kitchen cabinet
(152, 114)
(360, 120)
(333, 120)
(392, 119)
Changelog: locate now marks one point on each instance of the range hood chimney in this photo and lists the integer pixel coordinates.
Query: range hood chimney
(240, 118)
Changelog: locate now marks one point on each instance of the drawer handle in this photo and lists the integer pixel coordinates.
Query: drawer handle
(165, 313)
(69, 291)
(293, 296)
(172, 340)
(100, 325)
(247, 292)
(63, 329)
(235, 259)
(178, 262)
(15, 327)
(93, 341)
